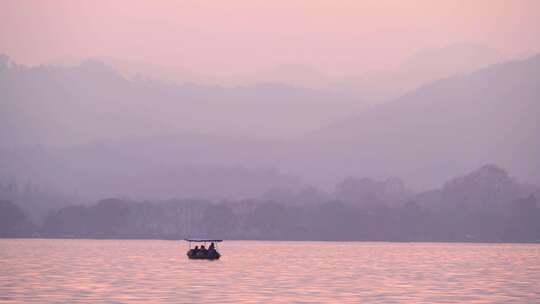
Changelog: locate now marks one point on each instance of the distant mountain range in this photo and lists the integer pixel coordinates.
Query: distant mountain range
(373, 86)
(420, 68)
(65, 105)
(425, 137)
(446, 127)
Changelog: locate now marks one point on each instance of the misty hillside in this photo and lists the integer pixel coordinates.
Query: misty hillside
(66, 105)
(446, 127)
(422, 67)
(373, 86)
(429, 135)
(157, 167)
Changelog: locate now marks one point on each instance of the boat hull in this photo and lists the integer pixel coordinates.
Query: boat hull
(201, 256)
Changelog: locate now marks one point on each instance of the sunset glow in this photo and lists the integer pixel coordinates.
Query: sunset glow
(228, 37)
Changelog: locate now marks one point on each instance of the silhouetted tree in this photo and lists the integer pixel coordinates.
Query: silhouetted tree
(267, 220)
(107, 217)
(13, 221)
(219, 221)
(523, 221)
(70, 221)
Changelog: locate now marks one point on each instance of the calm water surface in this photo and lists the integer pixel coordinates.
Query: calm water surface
(278, 272)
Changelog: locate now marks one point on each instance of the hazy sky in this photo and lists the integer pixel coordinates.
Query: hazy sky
(238, 36)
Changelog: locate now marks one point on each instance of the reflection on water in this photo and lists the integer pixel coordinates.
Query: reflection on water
(250, 271)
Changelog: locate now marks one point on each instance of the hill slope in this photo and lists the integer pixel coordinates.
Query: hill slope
(448, 126)
(59, 105)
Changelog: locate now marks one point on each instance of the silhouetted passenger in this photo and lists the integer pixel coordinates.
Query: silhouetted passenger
(212, 246)
(203, 250)
(195, 250)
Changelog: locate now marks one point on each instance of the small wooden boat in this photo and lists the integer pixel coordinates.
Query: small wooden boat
(204, 252)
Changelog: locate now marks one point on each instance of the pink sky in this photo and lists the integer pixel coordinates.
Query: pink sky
(238, 36)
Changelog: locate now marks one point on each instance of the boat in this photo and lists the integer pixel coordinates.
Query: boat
(209, 253)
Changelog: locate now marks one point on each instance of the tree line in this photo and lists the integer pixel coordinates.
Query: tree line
(483, 206)
(517, 221)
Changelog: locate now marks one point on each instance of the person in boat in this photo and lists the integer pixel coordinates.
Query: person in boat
(203, 250)
(195, 250)
(212, 249)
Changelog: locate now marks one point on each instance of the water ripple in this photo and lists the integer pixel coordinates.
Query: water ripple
(144, 271)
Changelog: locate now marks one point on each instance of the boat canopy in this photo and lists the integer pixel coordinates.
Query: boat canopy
(204, 240)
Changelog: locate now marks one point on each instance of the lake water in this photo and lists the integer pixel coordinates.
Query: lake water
(146, 271)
